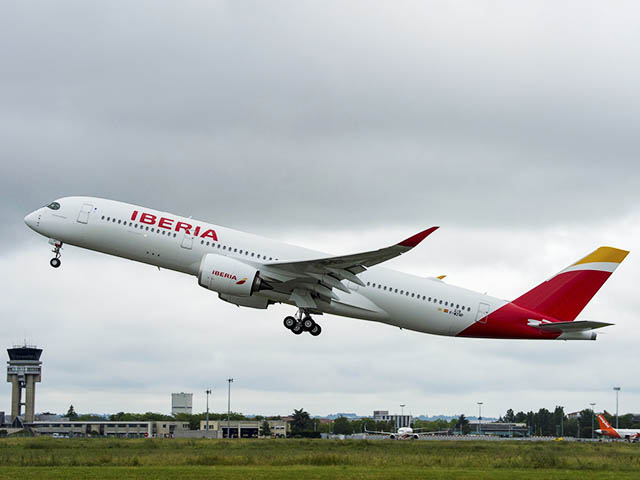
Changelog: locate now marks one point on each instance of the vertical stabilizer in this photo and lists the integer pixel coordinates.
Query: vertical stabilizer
(566, 294)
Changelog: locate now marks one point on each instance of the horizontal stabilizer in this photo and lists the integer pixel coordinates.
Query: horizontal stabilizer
(580, 325)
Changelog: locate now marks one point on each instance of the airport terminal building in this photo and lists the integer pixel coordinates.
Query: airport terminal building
(132, 429)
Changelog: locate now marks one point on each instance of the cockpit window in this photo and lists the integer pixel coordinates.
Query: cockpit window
(54, 206)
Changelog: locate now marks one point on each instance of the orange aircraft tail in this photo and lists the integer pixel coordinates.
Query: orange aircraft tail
(604, 425)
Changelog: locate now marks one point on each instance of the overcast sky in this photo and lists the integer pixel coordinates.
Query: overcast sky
(341, 126)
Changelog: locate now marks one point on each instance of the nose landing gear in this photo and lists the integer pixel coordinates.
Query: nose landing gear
(57, 246)
(303, 323)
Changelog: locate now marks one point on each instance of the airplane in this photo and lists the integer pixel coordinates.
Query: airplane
(632, 435)
(251, 271)
(407, 433)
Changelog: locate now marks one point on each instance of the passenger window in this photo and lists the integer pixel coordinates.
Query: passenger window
(113, 220)
(147, 228)
(440, 302)
(379, 286)
(401, 292)
(368, 284)
(429, 298)
(458, 306)
(252, 255)
(412, 294)
(395, 291)
(468, 309)
(108, 219)
(446, 304)
(102, 217)
(240, 252)
(385, 288)
(119, 221)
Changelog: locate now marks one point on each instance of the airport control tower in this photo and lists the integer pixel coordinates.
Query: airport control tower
(23, 371)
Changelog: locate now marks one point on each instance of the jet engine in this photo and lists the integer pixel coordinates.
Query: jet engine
(416, 436)
(229, 276)
(392, 437)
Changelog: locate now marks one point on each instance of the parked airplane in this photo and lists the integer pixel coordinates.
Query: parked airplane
(251, 271)
(406, 433)
(632, 435)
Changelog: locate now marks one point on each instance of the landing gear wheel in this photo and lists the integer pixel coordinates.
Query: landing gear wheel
(297, 328)
(55, 262)
(289, 322)
(308, 324)
(316, 330)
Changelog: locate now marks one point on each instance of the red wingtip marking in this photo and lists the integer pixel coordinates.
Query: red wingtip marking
(417, 238)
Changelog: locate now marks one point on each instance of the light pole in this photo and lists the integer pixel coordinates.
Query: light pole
(479, 429)
(617, 390)
(208, 392)
(401, 422)
(593, 414)
(229, 408)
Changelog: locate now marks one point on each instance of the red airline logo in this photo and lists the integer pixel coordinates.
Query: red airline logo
(171, 224)
(230, 276)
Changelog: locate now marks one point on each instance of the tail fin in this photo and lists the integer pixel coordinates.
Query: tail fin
(604, 425)
(567, 293)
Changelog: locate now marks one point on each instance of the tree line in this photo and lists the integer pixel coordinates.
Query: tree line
(541, 423)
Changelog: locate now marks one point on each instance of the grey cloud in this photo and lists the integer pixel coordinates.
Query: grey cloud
(283, 116)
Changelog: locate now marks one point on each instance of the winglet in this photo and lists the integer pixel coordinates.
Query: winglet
(417, 238)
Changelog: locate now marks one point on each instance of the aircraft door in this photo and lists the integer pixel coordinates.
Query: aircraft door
(483, 311)
(83, 216)
(187, 241)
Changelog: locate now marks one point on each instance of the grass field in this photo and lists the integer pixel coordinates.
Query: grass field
(313, 459)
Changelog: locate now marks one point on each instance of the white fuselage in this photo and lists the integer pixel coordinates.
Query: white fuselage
(406, 301)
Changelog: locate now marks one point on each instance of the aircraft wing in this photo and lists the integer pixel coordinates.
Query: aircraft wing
(575, 326)
(438, 432)
(307, 279)
(378, 433)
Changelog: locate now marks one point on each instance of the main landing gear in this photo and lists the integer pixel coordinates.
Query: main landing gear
(55, 261)
(303, 323)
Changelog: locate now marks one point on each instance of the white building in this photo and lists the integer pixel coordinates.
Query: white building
(398, 420)
(181, 403)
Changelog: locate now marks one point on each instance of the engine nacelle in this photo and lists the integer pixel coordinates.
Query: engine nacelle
(228, 276)
(254, 301)
(392, 437)
(416, 436)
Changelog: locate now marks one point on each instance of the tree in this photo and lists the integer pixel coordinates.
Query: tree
(301, 421)
(266, 429)
(462, 425)
(509, 417)
(342, 426)
(71, 413)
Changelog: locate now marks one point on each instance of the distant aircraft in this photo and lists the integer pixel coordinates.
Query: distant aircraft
(407, 433)
(252, 271)
(632, 435)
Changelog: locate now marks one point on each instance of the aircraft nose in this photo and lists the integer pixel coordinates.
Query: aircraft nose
(31, 220)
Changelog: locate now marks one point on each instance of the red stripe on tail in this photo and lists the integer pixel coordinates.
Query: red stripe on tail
(565, 295)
